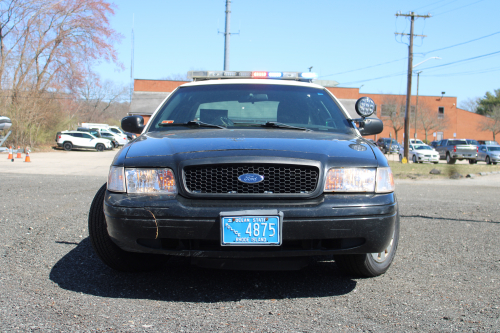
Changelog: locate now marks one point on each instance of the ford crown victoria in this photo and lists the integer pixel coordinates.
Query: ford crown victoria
(249, 170)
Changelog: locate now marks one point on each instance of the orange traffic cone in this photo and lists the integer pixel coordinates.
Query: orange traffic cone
(19, 152)
(27, 156)
(10, 153)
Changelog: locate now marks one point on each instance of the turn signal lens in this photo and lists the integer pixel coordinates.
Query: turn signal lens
(150, 181)
(385, 180)
(116, 179)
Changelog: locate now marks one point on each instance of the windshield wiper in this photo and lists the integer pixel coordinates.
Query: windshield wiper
(193, 122)
(276, 124)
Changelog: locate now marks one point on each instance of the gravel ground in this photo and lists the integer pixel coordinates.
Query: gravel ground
(446, 275)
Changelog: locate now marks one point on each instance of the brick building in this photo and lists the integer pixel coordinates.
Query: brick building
(442, 117)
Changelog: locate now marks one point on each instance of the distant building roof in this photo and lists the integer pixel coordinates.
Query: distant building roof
(326, 83)
(145, 102)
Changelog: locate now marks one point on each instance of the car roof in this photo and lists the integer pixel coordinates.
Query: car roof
(253, 81)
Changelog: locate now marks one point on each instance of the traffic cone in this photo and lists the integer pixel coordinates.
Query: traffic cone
(19, 152)
(10, 153)
(27, 156)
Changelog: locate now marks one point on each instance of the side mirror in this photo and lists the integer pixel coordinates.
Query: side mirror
(371, 126)
(133, 124)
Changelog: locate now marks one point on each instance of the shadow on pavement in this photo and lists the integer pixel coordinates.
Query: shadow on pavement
(81, 271)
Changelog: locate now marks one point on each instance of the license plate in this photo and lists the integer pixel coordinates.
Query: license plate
(251, 230)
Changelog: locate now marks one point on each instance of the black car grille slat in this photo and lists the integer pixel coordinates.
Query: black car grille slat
(278, 179)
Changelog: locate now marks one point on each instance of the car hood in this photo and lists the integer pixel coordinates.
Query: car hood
(277, 140)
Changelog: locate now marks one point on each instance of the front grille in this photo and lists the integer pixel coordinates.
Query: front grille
(278, 179)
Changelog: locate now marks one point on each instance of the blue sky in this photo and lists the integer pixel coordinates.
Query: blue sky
(337, 38)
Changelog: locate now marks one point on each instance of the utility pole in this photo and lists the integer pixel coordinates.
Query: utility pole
(416, 105)
(410, 68)
(227, 34)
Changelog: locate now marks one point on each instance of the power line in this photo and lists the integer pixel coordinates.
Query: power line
(428, 5)
(455, 62)
(451, 10)
(481, 71)
(375, 78)
(354, 70)
(401, 73)
(472, 40)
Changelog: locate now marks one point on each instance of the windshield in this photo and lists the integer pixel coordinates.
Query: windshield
(248, 105)
(472, 142)
(422, 147)
(493, 148)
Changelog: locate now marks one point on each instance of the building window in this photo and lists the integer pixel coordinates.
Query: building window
(441, 112)
(390, 109)
(403, 110)
(387, 110)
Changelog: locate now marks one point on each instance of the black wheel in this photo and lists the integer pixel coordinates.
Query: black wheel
(450, 160)
(435, 162)
(67, 146)
(494, 163)
(99, 147)
(109, 252)
(414, 159)
(472, 162)
(370, 264)
(400, 158)
(488, 161)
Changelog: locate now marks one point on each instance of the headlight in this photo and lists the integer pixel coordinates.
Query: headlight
(359, 180)
(146, 181)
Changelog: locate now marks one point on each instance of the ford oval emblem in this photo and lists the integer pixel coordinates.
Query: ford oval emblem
(250, 178)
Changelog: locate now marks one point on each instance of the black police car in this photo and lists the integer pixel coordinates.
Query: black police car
(254, 170)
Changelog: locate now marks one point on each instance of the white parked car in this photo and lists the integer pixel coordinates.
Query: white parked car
(121, 138)
(75, 139)
(420, 153)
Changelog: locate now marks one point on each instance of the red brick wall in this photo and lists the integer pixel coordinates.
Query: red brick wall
(465, 124)
(156, 85)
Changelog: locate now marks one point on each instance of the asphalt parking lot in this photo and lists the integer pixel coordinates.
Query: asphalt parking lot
(445, 277)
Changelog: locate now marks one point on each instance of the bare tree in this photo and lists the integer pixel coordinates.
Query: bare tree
(428, 119)
(393, 108)
(46, 47)
(98, 98)
(470, 104)
(491, 122)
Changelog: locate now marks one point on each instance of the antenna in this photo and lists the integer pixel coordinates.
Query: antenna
(132, 61)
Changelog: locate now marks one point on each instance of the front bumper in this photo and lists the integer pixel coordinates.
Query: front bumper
(428, 158)
(337, 223)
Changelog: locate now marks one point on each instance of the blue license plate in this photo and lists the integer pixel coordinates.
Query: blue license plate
(250, 230)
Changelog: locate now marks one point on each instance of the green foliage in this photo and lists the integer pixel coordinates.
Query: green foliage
(489, 102)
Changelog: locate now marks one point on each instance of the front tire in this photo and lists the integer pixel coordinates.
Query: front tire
(370, 264)
(488, 161)
(108, 251)
(414, 159)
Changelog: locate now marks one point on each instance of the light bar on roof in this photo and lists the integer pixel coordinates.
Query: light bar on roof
(211, 75)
